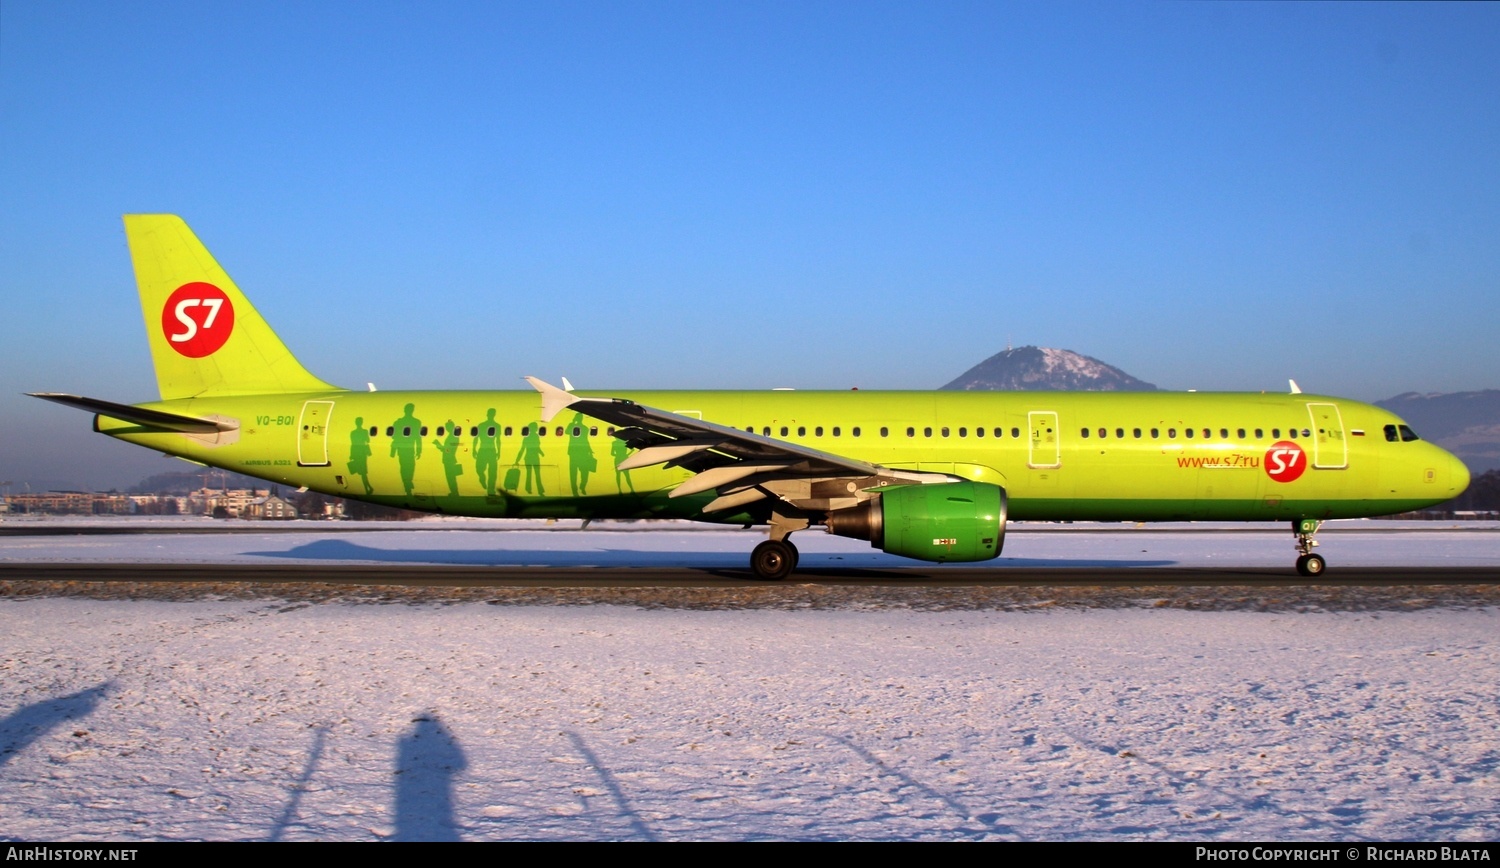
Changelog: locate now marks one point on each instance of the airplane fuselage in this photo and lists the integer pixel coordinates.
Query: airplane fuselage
(1058, 455)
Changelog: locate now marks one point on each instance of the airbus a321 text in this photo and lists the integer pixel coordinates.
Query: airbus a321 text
(928, 475)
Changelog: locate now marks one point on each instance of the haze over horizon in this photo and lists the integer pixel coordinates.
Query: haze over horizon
(688, 195)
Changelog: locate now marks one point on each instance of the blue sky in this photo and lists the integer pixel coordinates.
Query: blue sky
(747, 195)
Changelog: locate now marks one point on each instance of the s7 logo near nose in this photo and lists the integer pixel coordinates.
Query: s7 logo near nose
(1285, 461)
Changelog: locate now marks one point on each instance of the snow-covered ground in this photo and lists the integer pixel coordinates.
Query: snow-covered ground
(264, 719)
(481, 542)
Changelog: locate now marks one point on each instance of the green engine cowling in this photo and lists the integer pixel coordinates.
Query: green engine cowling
(945, 521)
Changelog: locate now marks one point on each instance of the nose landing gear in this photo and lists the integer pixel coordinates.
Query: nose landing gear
(1308, 564)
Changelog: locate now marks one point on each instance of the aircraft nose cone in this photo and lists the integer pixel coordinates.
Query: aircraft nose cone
(1458, 472)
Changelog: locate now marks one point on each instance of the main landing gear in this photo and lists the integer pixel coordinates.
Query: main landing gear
(1308, 564)
(774, 559)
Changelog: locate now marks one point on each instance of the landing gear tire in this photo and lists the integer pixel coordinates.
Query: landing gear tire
(773, 560)
(1311, 565)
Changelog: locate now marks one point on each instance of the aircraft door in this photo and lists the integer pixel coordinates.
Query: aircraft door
(1330, 448)
(312, 434)
(1045, 448)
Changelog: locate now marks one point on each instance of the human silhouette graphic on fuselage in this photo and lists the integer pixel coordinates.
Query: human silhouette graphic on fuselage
(581, 460)
(449, 447)
(406, 445)
(359, 453)
(486, 448)
(619, 451)
(530, 456)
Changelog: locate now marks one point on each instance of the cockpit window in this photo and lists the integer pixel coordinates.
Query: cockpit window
(1407, 435)
(1390, 434)
(1400, 432)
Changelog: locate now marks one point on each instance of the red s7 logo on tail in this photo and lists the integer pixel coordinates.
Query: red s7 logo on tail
(197, 319)
(1285, 461)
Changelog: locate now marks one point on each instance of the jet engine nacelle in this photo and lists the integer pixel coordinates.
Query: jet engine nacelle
(945, 521)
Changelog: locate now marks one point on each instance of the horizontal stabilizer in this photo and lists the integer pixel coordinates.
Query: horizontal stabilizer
(139, 415)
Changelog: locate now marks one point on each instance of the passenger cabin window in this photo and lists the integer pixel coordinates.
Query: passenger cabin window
(1188, 433)
(884, 432)
(374, 430)
(855, 431)
(801, 430)
(1084, 432)
(1120, 433)
(835, 430)
(1014, 432)
(784, 429)
(911, 432)
(818, 431)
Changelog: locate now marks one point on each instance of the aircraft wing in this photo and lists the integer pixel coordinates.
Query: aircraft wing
(743, 467)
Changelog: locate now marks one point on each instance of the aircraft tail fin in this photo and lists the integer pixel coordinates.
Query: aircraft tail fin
(206, 338)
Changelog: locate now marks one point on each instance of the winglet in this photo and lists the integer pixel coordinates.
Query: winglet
(1296, 389)
(554, 400)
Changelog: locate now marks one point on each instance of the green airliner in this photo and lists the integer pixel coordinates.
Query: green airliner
(928, 475)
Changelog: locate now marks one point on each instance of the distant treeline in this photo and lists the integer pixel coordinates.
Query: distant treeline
(1483, 493)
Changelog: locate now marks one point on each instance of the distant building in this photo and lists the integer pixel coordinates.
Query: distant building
(71, 503)
(268, 508)
(208, 501)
